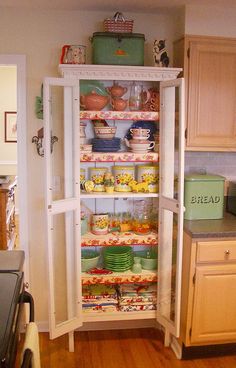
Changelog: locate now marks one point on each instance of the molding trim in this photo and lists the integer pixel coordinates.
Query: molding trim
(8, 162)
(20, 62)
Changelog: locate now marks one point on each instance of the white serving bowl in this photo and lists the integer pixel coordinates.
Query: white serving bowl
(141, 146)
(105, 132)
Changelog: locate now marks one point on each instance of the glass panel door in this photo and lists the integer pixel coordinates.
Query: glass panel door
(171, 204)
(61, 119)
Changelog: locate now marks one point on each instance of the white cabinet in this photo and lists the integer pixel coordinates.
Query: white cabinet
(65, 200)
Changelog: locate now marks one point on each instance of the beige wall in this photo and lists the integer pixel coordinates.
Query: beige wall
(211, 20)
(40, 35)
(8, 103)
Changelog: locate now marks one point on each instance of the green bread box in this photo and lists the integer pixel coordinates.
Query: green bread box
(111, 48)
(203, 196)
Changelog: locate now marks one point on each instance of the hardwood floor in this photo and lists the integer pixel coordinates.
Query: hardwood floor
(136, 348)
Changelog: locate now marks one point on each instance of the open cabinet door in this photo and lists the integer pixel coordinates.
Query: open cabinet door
(61, 119)
(171, 204)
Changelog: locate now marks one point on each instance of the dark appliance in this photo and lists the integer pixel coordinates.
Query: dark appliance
(12, 298)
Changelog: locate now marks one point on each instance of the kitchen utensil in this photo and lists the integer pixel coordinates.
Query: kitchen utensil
(93, 101)
(73, 54)
(116, 90)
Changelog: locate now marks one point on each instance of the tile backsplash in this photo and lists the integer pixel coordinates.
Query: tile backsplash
(220, 163)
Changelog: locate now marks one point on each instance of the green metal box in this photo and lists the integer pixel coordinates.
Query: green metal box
(110, 48)
(203, 196)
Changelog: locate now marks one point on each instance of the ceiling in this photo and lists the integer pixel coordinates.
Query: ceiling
(110, 5)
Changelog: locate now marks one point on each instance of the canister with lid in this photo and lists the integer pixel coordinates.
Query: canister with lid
(97, 176)
(123, 175)
(148, 174)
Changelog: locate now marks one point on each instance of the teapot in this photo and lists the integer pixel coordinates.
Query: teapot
(116, 90)
(119, 104)
(73, 54)
(93, 101)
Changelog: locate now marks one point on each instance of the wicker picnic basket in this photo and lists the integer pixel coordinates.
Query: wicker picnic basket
(118, 24)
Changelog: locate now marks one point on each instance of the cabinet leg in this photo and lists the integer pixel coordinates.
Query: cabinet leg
(167, 338)
(71, 342)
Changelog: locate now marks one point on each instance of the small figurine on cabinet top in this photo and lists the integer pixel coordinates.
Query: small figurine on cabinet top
(160, 54)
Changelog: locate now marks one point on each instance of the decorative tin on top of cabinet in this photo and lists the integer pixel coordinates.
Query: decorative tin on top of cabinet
(209, 71)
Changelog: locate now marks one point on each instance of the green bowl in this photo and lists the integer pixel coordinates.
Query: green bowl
(147, 262)
(89, 259)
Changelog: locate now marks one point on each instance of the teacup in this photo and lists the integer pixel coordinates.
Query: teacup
(139, 145)
(140, 133)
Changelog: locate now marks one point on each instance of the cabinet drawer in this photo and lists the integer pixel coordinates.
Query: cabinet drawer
(216, 251)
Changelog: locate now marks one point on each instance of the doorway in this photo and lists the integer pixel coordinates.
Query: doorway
(19, 62)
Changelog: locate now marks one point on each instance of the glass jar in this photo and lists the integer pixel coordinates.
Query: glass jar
(142, 224)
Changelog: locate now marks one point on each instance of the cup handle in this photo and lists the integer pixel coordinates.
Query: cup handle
(151, 145)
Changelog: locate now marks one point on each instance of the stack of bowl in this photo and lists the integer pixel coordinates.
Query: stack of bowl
(140, 142)
(105, 140)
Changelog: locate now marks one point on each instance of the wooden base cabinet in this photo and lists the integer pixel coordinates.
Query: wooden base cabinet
(209, 292)
(209, 71)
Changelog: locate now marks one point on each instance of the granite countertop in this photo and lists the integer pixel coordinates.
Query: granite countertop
(222, 228)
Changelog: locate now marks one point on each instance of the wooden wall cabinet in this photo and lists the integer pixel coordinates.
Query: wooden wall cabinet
(209, 65)
(208, 292)
(7, 214)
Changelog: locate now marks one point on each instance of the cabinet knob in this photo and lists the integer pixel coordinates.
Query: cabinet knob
(227, 252)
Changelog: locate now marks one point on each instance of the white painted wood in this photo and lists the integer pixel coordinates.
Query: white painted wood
(22, 165)
(67, 206)
(170, 202)
(117, 72)
(73, 74)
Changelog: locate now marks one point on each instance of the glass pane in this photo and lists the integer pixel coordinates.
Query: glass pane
(62, 127)
(167, 264)
(64, 275)
(170, 136)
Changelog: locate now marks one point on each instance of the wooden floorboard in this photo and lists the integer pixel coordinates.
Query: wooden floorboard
(133, 348)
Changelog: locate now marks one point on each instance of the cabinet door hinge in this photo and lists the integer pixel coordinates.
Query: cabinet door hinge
(185, 133)
(190, 332)
(194, 278)
(188, 52)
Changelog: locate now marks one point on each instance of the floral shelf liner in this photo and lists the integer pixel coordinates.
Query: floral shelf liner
(114, 239)
(120, 115)
(118, 278)
(118, 156)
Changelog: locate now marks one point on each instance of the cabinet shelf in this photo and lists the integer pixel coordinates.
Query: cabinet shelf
(120, 278)
(115, 239)
(117, 316)
(120, 115)
(100, 195)
(118, 157)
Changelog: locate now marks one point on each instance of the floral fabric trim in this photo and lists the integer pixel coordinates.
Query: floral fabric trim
(118, 156)
(126, 238)
(120, 115)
